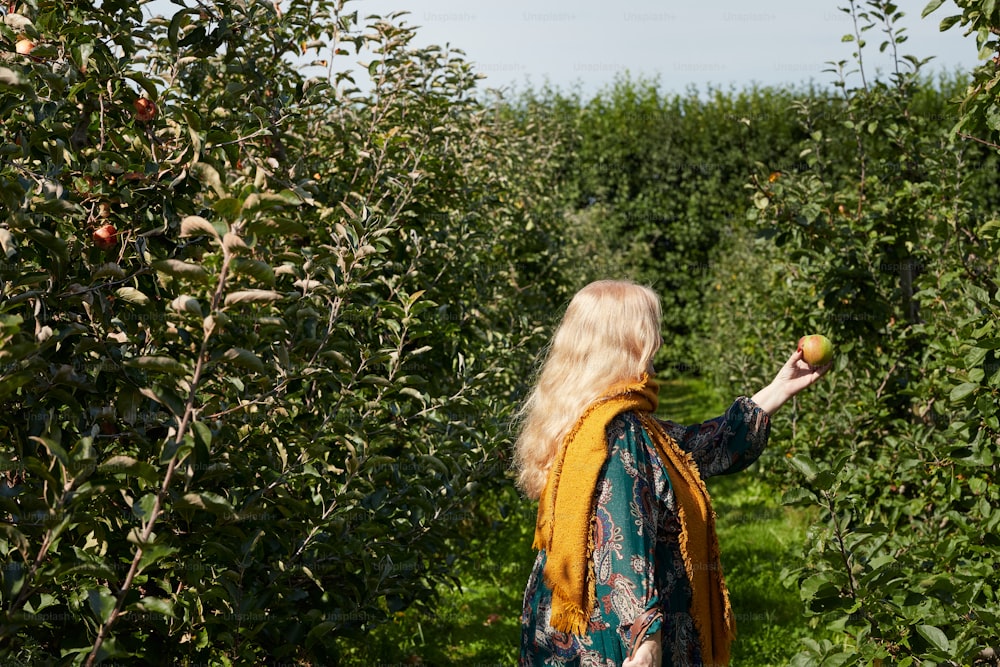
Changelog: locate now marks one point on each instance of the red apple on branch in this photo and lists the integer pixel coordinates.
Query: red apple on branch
(105, 237)
(145, 109)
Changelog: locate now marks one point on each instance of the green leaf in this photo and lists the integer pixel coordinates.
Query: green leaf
(20, 23)
(930, 7)
(934, 636)
(805, 465)
(962, 390)
(233, 243)
(819, 586)
(156, 605)
(202, 433)
(208, 175)
(277, 225)
(206, 500)
(165, 397)
(10, 79)
(948, 22)
(975, 357)
(823, 480)
(126, 465)
(194, 225)
(17, 538)
(157, 364)
(879, 562)
(187, 304)
(174, 449)
(176, 23)
(52, 243)
(228, 207)
(132, 295)
(319, 632)
(153, 553)
(245, 358)
(255, 269)
(178, 269)
(55, 449)
(252, 296)
(798, 495)
(142, 509)
(138, 77)
(102, 603)
(11, 383)
(434, 463)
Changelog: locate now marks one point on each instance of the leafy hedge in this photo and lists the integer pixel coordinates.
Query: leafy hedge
(886, 242)
(260, 330)
(654, 184)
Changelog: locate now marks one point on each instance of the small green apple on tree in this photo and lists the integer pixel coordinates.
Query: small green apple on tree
(817, 349)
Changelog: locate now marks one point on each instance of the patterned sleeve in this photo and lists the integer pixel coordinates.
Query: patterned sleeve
(726, 444)
(627, 516)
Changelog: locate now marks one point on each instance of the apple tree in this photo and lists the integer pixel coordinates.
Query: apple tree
(653, 183)
(885, 242)
(262, 315)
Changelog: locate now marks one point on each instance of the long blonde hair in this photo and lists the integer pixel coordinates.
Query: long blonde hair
(609, 333)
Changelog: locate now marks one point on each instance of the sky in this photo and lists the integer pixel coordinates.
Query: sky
(724, 43)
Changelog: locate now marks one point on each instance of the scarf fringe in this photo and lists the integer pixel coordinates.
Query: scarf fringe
(567, 616)
(571, 620)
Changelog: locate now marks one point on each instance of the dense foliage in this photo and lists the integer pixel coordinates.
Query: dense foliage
(260, 328)
(886, 241)
(653, 185)
(979, 117)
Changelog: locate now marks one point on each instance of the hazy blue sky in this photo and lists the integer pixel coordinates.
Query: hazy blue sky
(692, 42)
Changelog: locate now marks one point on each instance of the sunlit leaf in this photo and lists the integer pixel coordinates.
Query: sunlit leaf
(179, 269)
(157, 364)
(194, 225)
(244, 358)
(252, 296)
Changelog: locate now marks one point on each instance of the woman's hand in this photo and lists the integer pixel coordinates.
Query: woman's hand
(649, 653)
(794, 376)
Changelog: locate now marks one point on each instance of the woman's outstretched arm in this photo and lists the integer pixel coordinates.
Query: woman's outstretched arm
(793, 377)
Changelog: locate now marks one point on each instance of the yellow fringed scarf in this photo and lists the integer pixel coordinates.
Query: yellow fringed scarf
(568, 541)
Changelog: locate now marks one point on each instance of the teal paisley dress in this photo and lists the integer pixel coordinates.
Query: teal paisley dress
(640, 579)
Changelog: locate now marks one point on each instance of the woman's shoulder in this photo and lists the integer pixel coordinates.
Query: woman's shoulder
(632, 449)
(626, 430)
(626, 421)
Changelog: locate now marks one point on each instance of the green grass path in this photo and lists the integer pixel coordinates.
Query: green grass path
(479, 624)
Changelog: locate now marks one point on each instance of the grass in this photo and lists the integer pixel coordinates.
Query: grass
(689, 401)
(758, 538)
(478, 624)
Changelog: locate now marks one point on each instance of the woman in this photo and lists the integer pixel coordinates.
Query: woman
(628, 568)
